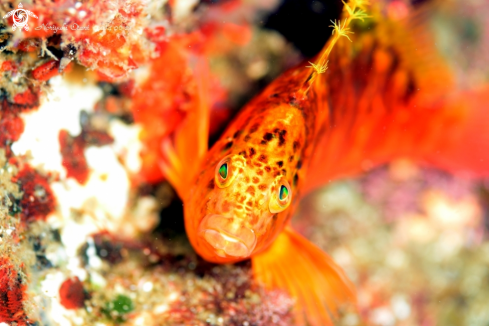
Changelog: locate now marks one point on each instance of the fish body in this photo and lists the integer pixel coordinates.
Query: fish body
(265, 149)
(382, 96)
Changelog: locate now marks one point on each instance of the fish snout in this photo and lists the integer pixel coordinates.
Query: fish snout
(228, 236)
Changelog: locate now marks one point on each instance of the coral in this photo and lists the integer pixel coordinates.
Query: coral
(102, 35)
(47, 70)
(38, 200)
(72, 150)
(11, 124)
(13, 282)
(182, 291)
(71, 294)
(12, 294)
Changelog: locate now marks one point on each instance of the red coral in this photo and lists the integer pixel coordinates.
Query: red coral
(46, 71)
(73, 156)
(38, 200)
(29, 45)
(11, 128)
(27, 99)
(11, 125)
(104, 33)
(71, 294)
(73, 151)
(12, 294)
(9, 66)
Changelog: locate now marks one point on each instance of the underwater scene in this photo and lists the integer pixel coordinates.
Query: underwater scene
(244, 162)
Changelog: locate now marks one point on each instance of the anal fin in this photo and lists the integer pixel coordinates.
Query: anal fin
(318, 284)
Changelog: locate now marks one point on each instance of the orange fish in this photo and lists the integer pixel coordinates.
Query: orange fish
(369, 97)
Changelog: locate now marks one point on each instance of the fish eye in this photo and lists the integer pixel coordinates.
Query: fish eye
(225, 171)
(283, 194)
(281, 198)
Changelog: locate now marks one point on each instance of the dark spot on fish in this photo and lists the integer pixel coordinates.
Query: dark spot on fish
(257, 164)
(254, 128)
(274, 95)
(268, 136)
(237, 134)
(291, 158)
(281, 137)
(280, 164)
(211, 184)
(252, 152)
(260, 172)
(296, 145)
(227, 146)
(247, 138)
(255, 180)
(262, 187)
(263, 158)
(249, 203)
(244, 154)
(296, 179)
(299, 164)
(267, 168)
(284, 172)
(247, 179)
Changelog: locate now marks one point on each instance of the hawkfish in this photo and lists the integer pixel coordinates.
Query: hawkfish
(378, 91)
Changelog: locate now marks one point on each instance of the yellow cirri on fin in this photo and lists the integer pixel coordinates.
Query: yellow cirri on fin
(318, 284)
(183, 153)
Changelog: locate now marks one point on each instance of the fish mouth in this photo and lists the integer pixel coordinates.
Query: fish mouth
(227, 236)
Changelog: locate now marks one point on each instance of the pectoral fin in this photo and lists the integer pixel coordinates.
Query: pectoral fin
(184, 151)
(296, 265)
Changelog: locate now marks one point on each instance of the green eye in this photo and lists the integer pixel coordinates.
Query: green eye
(283, 193)
(281, 197)
(223, 171)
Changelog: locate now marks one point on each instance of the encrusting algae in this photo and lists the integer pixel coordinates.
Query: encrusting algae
(97, 123)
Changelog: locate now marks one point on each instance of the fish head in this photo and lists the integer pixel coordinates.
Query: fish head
(237, 208)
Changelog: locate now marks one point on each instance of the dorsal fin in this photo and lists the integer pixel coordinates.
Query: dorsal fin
(387, 94)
